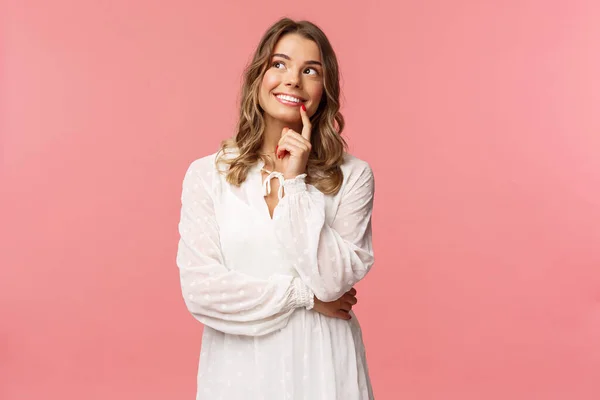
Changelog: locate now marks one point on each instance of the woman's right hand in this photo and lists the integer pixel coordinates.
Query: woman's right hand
(339, 308)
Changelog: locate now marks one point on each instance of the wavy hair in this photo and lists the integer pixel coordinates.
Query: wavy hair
(328, 146)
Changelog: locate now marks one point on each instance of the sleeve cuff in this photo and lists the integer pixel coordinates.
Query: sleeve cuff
(295, 185)
(303, 296)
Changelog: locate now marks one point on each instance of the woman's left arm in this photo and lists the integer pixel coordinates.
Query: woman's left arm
(329, 259)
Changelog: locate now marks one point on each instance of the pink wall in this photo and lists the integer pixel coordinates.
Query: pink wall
(480, 118)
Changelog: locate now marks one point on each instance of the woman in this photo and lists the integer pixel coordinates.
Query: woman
(275, 232)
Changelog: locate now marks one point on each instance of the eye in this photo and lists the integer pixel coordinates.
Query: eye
(276, 64)
(315, 72)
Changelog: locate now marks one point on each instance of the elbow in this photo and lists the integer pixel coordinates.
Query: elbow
(333, 290)
(192, 306)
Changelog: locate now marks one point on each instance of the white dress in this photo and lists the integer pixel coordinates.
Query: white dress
(250, 280)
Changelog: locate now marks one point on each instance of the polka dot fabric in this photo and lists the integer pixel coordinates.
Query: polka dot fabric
(250, 279)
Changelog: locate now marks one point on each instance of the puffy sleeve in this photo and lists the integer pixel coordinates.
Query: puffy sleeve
(330, 259)
(224, 299)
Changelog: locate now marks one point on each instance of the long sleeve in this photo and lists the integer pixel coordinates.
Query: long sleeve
(224, 299)
(329, 259)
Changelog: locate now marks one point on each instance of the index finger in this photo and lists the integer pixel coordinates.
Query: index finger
(306, 126)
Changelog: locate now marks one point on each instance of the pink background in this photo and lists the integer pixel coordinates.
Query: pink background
(480, 118)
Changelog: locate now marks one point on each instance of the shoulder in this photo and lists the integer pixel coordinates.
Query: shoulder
(356, 170)
(359, 181)
(202, 167)
(202, 174)
(211, 165)
(208, 172)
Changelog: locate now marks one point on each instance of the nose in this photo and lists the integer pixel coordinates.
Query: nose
(292, 79)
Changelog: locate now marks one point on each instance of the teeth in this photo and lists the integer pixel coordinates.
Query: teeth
(288, 98)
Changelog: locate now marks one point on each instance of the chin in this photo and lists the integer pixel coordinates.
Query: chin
(286, 117)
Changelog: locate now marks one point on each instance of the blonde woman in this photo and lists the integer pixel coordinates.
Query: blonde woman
(275, 232)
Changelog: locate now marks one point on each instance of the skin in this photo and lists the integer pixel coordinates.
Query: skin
(295, 70)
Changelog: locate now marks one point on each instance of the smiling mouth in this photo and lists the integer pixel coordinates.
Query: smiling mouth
(289, 100)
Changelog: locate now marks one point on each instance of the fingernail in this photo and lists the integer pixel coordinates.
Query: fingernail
(303, 107)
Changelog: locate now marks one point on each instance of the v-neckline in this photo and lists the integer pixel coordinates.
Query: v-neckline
(261, 198)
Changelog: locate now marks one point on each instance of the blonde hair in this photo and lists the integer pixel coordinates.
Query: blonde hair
(328, 146)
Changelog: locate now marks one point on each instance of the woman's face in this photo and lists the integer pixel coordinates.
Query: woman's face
(295, 77)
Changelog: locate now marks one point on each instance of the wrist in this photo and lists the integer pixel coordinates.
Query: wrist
(295, 184)
(303, 295)
(316, 302)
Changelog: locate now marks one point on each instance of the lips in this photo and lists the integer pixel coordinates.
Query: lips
(289, 101)
(291, 95)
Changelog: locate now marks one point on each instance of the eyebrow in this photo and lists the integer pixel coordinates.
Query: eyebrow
(311, 62)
